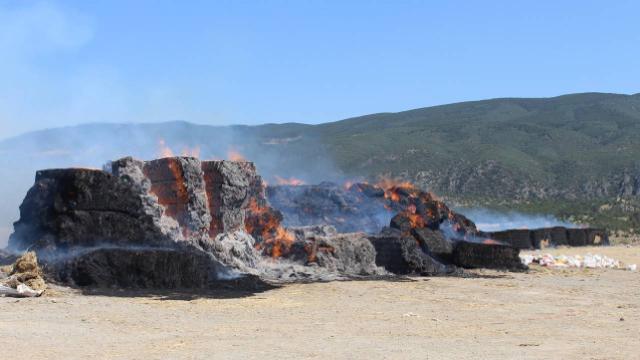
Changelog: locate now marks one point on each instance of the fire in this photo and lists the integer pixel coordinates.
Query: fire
(235, 155)
(282, 238)
(388, 183)
(263, 222)
(192, 152)
(415, 219)
(393, 189)
(491, 242)
(290, 181)
(163, 150)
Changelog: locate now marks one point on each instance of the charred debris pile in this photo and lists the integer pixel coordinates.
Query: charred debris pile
(180, 222)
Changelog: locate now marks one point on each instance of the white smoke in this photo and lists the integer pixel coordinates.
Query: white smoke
(5, 231)
(491, 220)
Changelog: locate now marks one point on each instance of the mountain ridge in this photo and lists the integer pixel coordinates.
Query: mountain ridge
(571, 148)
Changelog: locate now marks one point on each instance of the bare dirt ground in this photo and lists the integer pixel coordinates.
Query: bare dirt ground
(543, 314)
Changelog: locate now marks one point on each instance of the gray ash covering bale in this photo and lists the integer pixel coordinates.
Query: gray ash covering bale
(231, 186)
(345, 253)
(482, 255)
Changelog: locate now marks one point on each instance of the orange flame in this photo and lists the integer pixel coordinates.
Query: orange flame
(263, 221)
(235, 155)
(290, 181)
(491, 242)
(193, 152)
(163, 150)
(391, 188)
(388, 183)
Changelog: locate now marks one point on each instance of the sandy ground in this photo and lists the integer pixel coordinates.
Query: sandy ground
(543, 314)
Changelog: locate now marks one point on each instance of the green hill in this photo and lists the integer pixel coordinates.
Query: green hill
(574, 146)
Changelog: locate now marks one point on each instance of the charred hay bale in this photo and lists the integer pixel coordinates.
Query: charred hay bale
(555, 236)
(541, 238)
(491, 256)
(597, 237)
(558, 236)
(577, 237)
(84, 207)
(518, 238)
(135, 202)
(140, 268)
(463, 224)
(403, 255)
(434, 242)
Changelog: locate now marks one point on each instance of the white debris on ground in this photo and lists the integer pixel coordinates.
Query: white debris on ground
(589, 261)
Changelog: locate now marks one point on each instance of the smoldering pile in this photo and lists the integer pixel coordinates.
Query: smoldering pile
(179, 222)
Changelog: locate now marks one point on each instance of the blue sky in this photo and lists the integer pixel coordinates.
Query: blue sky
(250, 62)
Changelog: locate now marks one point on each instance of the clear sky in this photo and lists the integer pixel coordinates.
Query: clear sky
(249, 62)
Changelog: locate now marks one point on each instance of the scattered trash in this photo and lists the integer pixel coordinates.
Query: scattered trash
(25, 278)
(589, 261)
(21, 290)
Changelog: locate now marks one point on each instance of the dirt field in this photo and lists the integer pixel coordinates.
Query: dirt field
(543, 314)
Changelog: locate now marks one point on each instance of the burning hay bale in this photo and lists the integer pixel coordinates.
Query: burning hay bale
(179, 222)
(167, 211)
(362, 206)
(25, 277)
